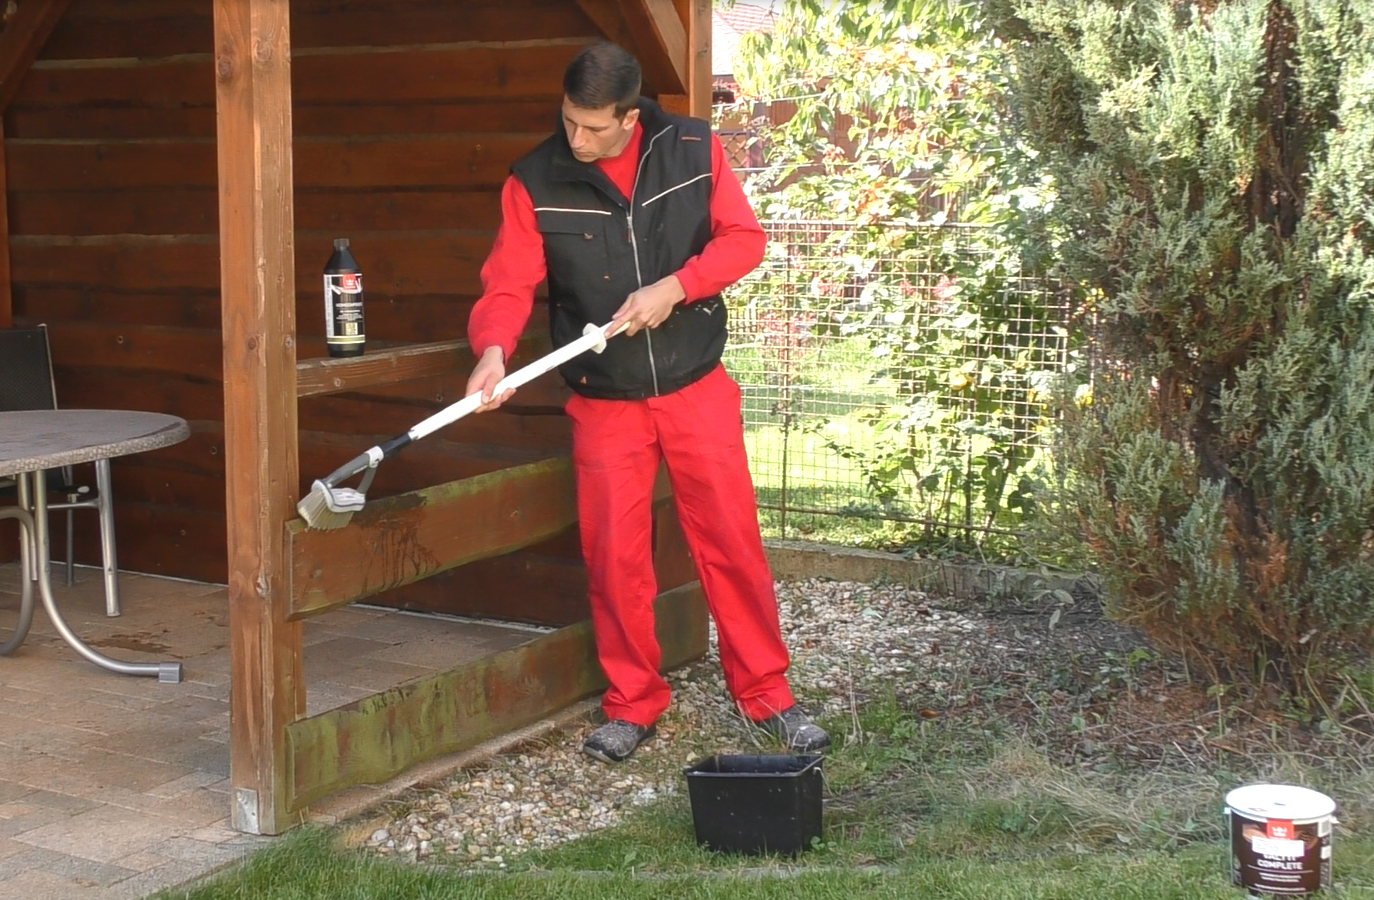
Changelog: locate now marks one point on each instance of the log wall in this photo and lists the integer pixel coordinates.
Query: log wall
(406, 113)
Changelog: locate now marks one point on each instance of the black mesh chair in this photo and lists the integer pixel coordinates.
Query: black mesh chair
(26, 383)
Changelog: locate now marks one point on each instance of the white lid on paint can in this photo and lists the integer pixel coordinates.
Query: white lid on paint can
(1287, 802)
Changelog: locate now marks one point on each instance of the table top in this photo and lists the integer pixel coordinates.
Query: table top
(50, 439)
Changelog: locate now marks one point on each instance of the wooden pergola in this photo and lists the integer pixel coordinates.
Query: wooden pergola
(168, 222)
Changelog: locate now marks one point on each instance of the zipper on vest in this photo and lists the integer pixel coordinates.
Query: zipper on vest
(634, 248)
(639, 279)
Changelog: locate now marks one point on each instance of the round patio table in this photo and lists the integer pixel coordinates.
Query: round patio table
(31, 442)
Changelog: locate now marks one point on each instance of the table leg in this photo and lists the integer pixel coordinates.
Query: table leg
(21, 627)
(166, 672)
(105, 491)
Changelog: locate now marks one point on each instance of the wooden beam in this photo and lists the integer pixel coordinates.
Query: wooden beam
(609, 18)
(403, 539)
(334, 376)
(700, 84)
(6, 295)
(544, 584)
(662, 43)
(375, 739)
(257, 284)
(24, 36)
(400, 540)
(652, 31)
(695, 16)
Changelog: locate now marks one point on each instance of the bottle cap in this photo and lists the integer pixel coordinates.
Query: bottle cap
(340, 243)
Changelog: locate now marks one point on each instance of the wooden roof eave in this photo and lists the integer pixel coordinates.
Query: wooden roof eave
(651, 29)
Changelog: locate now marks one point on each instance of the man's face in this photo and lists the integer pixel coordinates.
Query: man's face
(597, 133)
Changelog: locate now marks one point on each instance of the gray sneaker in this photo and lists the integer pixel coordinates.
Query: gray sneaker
(616, 740)
(796, 731)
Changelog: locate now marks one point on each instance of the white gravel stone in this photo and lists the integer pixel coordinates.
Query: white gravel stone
(842, 636)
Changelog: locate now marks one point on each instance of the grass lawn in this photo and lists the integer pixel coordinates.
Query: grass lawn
(306, 867)
(1055, 760)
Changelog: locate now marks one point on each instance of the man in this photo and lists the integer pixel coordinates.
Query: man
(634, 218)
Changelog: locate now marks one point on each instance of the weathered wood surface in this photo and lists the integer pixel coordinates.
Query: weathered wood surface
(145, 211)
(697, 15)
(257, 266)
(662, 42)
(391, 320)
(403, 539)
(333, 376)
(315, 377)
(352, 162)
(397, 263)
(544, 584)
(94, 29)
(374, 739)
(433, 73)
(493, 115)
(646, 28)
(24, 35)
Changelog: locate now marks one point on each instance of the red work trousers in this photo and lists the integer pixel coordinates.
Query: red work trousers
(617, 447)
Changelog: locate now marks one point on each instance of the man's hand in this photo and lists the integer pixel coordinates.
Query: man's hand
(488, 373)
(649, 306)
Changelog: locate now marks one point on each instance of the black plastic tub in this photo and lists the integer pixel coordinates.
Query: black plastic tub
(756, 804)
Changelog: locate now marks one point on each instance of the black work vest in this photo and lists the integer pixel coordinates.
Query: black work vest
(600, 246)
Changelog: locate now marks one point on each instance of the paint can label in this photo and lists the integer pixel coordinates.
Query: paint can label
(1280, 858)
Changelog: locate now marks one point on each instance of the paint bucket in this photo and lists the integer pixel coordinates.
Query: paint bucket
(1280, 839)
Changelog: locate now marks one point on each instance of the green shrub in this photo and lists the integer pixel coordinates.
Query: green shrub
(1214, 167)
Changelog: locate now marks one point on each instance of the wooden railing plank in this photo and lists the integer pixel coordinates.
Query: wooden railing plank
(402, 539)
(378, 737)
(332, 376)
(315, 377)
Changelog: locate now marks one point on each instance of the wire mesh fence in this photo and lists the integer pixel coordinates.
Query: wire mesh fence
(893, 375)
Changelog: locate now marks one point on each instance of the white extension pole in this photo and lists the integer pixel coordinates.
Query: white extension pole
(593, 338)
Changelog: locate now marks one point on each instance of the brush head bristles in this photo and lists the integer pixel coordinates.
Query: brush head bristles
(327, 508)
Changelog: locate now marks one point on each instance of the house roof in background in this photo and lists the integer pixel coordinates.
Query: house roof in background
(727, 25)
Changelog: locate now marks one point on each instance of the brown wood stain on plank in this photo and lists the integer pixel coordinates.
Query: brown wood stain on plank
(435, 73)
(334, 162)
(93, 29)
(406, 538)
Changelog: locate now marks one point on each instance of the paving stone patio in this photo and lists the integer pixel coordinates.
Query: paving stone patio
(111, 786)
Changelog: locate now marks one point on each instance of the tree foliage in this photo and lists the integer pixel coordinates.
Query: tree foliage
(900, 128)
(1213, 165)
(892, 96)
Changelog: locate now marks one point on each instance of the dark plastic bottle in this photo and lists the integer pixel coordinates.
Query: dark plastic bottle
(343, 303)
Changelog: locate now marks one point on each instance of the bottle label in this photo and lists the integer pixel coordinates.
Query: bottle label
(343, 308)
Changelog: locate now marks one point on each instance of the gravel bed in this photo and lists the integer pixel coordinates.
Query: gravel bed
(844, 638)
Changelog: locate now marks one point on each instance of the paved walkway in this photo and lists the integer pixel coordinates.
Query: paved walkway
(112, 787)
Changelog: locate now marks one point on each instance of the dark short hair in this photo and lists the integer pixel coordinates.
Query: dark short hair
(603, 75)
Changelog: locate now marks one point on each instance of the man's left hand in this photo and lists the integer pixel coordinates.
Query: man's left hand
(649, 306)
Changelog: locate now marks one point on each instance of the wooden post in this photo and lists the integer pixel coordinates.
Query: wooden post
(699, 81)
(696, 22)
(257, 275)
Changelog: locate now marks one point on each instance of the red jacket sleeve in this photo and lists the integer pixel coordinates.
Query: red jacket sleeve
(509, 276)
(737, 240)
